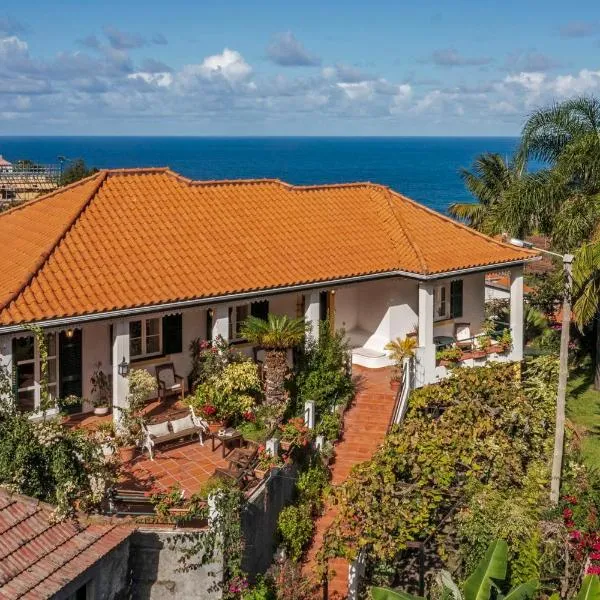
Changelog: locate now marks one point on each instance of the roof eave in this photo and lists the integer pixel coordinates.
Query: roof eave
(194, 302)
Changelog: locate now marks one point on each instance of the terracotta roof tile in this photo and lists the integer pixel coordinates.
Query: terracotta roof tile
(130, 238)
(38, 556)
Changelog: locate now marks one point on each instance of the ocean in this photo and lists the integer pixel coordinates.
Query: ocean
(423, 168)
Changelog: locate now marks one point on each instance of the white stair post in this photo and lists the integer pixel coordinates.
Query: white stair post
(309, 414)
(426, 350)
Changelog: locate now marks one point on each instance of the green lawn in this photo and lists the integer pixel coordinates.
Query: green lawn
(583, 409)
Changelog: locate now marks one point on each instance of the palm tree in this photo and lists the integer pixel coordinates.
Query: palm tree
(489, 180)
(563, 200)
(275, 335)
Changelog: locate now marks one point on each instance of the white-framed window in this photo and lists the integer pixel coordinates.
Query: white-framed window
(145, 337)
(448, 300)
(440, 302)
(28, 364)
(237, 315)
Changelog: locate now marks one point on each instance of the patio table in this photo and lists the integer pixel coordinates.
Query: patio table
(228, 438)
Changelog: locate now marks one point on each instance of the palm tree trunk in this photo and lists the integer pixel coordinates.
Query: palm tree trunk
(597, 357)
(276, 369)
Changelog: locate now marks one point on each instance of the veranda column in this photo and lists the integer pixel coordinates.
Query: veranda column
(120, 353)
(426, 352)
(312, 314)
(220, 322)
(6, 360)
(516, 313)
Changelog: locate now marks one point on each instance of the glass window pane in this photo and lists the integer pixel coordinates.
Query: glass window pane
(152, 327)
(135, 329)
(26, 400)
(51, 370)
(25, 375)
(51, 344)
(24, 349)
(153, 344)
(135, 346)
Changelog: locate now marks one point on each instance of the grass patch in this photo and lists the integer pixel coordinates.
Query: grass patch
(583, 409)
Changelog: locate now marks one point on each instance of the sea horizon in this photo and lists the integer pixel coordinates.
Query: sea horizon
(425, 168)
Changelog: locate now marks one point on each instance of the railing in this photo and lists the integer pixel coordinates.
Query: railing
(401, 403)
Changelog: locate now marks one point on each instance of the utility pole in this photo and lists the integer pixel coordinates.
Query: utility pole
(563, 373)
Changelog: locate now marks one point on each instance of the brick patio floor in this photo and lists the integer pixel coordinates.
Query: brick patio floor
(365, 426)
(185, 463)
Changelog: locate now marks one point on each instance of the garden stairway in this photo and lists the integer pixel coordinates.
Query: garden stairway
(365, 426)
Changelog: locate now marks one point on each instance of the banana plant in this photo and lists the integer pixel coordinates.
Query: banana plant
(489, 572)
(590, 588)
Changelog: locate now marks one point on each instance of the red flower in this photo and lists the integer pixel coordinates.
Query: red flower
(209, 410)
(595, 555)
(250, 416)
(567, 513)
(575, 535)
(570, 499)
(593, 570)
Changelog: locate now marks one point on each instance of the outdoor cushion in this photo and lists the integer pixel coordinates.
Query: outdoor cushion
(182, 424)
(158, 430)
(168, 378)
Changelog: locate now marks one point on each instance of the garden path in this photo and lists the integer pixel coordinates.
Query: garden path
(365, 426)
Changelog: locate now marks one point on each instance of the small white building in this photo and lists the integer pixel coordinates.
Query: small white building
(130, 266)
(5, 166)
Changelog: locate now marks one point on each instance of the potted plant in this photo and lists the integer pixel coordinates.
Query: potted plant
(266, 462)
(327, 453)
(449, 357)
(330, 426)
(131, 418)
(105, 435)
(399, 350)
(101, 391)
(294, 433)
(505, 340)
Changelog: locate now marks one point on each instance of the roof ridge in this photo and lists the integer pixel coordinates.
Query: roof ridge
(411, 241)
(45, 255)
(58, 190)
(457, 224)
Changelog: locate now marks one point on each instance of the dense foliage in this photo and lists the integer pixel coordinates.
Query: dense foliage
(54, 464)
(479, 426)
(322, 375)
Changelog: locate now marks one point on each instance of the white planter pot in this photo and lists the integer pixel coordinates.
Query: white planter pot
(101, 410)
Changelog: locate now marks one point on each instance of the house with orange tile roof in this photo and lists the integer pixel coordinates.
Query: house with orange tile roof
(127, 267)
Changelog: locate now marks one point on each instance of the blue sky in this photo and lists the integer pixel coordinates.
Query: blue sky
(281, 68)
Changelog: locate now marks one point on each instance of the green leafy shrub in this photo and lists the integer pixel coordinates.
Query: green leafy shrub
(295, 526)
(261, 590)
(322, 375)
(54, 464)
(330, 426)
(311, 483)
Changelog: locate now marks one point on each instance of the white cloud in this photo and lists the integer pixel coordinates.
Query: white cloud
(158, 79)
(12, 47)
(230, 65)
(584, 82)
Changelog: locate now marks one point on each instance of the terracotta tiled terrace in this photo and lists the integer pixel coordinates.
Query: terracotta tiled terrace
(185, 463)
(365, 426)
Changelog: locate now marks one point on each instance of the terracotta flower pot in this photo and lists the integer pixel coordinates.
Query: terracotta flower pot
(100, 411)
(478, 353)
(216, 426)
(127, 453)
(261, 473)
(395, 384)
(285, 445)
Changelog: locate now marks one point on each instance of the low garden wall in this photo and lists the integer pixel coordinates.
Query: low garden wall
(156, 573)
(259, 519)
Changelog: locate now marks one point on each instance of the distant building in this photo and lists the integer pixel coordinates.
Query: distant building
(5, 166)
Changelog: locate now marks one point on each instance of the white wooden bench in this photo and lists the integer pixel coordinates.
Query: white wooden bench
(173, 429)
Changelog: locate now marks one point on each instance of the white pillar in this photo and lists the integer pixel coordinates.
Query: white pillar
(516, 313)
(356, 571)
(312, 314)
(6, 362)
(309, 414)
(220, 322)
(426, 351)
(272, 446)
(120, 352)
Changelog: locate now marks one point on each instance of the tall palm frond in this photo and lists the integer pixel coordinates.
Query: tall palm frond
(586, 283)
(549, 130)
(488, 181)
(277, 332)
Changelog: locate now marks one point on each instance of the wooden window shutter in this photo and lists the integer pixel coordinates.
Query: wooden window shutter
(456, 298)
(260, 309)
(172, 334)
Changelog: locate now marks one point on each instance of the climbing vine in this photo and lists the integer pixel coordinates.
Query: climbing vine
(479, 426)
